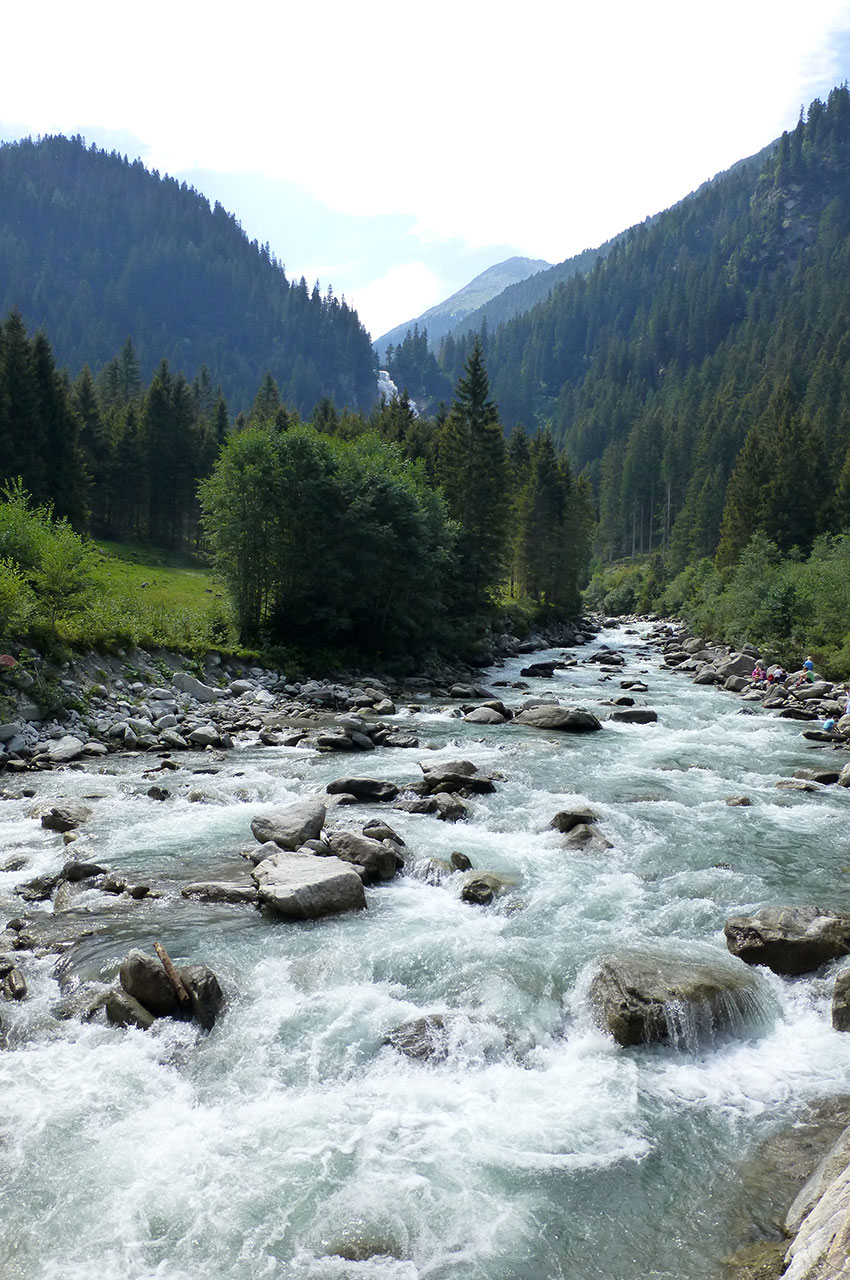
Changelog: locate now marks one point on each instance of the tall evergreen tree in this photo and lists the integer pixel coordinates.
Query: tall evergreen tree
(472, 469)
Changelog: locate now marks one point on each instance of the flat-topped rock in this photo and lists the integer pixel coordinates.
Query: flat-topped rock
(65, 817)
(789, 940)
(634, 715)
(305, 886)
(552, 716)
(363, 788)
(238, 893)
(642, 998)
(379, 860)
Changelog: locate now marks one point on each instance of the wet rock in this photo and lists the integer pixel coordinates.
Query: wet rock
(417, 804)
(455, 775)
(403, 740)
(436, 870)
(65, 817)
(739, 802)
(370, 789)
(79, 870)
(796, 784)
(378, 859)
(38, 889)
(423, 1039)
(641, 998)
(144, 978)
(481, 887)
(122, 1010)
(567, 819)
(789, 940)
(158, 793)
(205, 995)
(541, 670)
(826, 777)
(836, 1160)
(289, 828)
(460, 861)
(305, 886)
(554, 716)
(485, 715)
(635, 715)
(588, 838)
(375, 829)
(234, 892)
(15, 985)
(449, 807)
(841, 1001)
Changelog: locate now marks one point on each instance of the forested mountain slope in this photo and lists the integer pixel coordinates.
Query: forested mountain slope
(95, 249)
(723, 323)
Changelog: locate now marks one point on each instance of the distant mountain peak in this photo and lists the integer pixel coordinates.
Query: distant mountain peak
(438, 320)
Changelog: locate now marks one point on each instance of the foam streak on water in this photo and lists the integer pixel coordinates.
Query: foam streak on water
(293, 1142)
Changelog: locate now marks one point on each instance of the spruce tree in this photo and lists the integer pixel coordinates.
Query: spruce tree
(472, 469)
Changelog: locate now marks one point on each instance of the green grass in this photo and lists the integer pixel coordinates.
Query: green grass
(151, 597)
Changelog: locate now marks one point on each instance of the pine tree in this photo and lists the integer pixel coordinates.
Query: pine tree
(472, 469)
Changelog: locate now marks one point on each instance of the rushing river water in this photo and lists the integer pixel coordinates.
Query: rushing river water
(292, 1142)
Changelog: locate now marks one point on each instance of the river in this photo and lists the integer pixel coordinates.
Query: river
(292, 1135)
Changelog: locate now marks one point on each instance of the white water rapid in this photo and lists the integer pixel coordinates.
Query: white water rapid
(293, 1143)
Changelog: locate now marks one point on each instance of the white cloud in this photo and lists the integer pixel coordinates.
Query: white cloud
(407, 290)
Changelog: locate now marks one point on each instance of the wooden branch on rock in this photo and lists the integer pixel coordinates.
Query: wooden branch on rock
(173, 976)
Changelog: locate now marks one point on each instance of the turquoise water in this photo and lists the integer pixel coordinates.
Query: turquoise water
(292, 1142)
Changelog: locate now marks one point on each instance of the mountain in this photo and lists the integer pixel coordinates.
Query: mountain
(699, 374)
(439, 320)
(94, 248)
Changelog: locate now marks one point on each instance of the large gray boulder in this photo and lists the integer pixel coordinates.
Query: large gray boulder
(195, 688)
(737, 664)
(363, 788)
(789, 940)
(642, 998)
(834, 1162)
(379, 860)
(553, 716)
(143, 977)
(65, 817)
(305, 886)
(289, 828)
(62, 750)
(821, 1248)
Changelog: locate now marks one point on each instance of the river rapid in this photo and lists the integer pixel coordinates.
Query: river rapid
(292, 1142)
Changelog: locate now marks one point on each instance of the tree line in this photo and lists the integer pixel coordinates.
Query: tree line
(387, 532)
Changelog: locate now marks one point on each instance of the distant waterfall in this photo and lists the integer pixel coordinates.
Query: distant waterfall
(388, 389)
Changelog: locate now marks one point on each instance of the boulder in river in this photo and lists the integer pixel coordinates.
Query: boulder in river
(378, 859)
(789, 940)
(306, 886)
(363, 788)
(553, 716)
(642, 998)
(65, 817)
(569, 818)
(540, 670)
(423, 1039)
(144, 978)
(454, 775)
(841, 1001)
(289, 828)
(635, 715)
(481, 887)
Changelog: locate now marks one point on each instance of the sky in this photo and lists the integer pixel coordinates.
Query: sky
(394, 151)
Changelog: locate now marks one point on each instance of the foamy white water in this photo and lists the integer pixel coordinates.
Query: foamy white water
(293, 1142)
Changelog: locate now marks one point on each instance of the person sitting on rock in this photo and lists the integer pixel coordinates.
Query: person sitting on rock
(759, 674)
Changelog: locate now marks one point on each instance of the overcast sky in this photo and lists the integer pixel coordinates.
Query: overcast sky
(396, 150)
